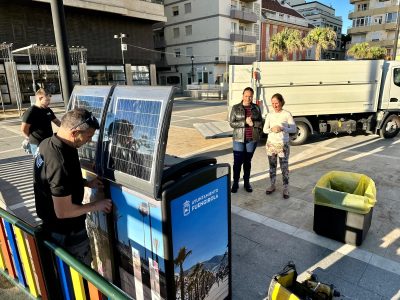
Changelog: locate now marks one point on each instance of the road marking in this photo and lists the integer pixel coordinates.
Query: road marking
(11, 150)
(10, 137)
(22, 204)
(337, 247)
(206, 148)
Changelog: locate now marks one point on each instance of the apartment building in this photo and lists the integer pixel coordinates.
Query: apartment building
(321, 15)
(375, 22)
(203, 37)
(91, 24)
(276, 16)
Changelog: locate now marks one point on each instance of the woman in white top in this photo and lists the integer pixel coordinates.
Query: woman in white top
(278, 124)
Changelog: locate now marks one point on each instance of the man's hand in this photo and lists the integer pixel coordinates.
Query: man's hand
(104, 205)
(95, 183)
(249, 121)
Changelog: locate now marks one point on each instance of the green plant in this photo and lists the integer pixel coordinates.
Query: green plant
(322, 39)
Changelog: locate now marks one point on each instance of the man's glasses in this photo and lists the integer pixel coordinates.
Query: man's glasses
(91, 121)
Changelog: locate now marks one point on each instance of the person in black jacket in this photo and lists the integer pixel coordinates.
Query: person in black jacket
(246, 121)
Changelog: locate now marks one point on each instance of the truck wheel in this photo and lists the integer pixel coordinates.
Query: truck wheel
(391, 127)
(302, 134)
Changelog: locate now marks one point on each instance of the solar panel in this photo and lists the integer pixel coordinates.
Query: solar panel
(95, 105)
(132, 136)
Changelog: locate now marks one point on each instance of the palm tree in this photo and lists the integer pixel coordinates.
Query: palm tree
(359, 51)
(285, 42)
(377, 52)
(364, 51)
(178, 261)
(322, 39)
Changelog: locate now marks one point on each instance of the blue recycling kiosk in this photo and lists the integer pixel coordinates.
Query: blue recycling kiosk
(169, 234)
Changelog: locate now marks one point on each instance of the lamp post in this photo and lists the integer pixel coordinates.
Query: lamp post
(192, 58)
(123, 45)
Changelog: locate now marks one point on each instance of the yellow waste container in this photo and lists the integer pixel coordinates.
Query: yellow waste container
(343, 206)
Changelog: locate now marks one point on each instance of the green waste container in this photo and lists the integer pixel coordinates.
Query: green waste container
(343, 206)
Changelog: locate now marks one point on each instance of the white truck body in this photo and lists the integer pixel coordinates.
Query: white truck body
(319, 93)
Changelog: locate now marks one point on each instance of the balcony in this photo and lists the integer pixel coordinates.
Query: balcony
(384, 43)
(245, 15)
(372, 27)
(243, 36)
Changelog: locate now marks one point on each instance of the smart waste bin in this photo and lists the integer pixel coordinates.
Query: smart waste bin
(169, 234)
(343, 206)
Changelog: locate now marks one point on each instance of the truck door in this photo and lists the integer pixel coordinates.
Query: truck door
(394, 102)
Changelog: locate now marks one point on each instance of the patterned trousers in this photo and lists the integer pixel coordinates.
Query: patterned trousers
(283, 163)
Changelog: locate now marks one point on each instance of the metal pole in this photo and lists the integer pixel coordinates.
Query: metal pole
(32, 74)
(122, 51)
(396, 36)
(192, 58)
(60, 32)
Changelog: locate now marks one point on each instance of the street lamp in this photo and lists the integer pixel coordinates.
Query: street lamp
(396, 35)
(192, 58)
(123, 45)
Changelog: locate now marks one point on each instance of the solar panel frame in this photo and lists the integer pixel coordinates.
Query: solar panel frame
(80, 97)
(161, 96)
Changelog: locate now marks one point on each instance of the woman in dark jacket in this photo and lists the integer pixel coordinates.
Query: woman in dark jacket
(246, 121)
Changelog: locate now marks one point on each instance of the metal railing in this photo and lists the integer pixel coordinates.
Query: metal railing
(44, 270)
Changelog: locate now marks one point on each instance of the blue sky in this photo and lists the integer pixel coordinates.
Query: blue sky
(342, 8)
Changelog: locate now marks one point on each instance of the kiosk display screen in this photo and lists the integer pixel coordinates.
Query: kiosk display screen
(132, 133)
(95, 105)
(199, 221)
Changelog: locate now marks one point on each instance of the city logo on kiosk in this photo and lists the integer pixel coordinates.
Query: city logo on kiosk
(186, 208)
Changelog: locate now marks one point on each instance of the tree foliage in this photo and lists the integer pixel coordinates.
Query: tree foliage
(322, 39)
(364, 51)
(285, 42)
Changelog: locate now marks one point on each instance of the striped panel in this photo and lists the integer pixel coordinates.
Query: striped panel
(14, 251)
(38, 267)
(2, 262)
(26, 262)
(77, 284)
(5, 249)
(65, 279)
(94, 293)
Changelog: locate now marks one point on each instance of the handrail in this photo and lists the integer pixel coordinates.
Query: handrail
(39, 247)
(107, 288)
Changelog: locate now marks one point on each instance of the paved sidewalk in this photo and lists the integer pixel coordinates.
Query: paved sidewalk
(268, 231)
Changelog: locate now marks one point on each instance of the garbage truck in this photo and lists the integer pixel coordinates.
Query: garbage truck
(326, 96)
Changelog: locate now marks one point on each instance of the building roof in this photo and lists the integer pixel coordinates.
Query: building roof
(275, 5)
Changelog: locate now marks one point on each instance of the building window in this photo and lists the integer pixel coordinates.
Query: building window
(188, 30)
(188, 8)
(189, 51)
(391, 17)
(256, 29)
(175, 10)
(362, 7)
(177, 52)
(378, 20)
(176, 32)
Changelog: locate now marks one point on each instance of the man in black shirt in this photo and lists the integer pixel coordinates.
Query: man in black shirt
(36, 121)
(59, 186)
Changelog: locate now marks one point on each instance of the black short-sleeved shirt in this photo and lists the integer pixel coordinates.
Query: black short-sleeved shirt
(40, 121)
(57, 172)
